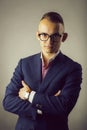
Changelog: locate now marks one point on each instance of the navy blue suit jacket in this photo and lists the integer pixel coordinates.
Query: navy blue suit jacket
(64, 74)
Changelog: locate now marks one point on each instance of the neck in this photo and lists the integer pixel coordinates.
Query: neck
(47, 57)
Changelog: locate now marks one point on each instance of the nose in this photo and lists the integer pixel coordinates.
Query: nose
(50, 40)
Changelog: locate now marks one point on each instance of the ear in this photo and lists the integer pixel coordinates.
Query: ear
(37, 35)
(65, 35)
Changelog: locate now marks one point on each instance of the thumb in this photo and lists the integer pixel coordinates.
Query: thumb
(24, 84)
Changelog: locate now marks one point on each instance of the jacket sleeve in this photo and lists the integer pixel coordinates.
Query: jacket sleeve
(63, 104)
(12, 102)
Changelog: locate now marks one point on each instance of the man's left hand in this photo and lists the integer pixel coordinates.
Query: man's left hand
(25, 90)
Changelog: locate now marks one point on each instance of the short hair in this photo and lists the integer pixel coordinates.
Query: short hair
(53, 17)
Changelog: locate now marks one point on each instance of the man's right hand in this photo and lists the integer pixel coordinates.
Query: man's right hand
(58, 93)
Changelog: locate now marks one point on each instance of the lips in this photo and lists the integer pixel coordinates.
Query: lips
(49, 46)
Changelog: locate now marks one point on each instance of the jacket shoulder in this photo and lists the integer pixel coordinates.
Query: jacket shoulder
(72, 63)
(31, 57)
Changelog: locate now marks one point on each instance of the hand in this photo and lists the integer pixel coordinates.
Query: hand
(58, 93)
(25, 90)
(26, 87)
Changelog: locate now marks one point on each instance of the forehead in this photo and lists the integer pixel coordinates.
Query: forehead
(50, 27)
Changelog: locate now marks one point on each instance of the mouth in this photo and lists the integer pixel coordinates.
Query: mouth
(48, 46)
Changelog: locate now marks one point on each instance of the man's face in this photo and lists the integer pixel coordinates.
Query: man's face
(50, 36)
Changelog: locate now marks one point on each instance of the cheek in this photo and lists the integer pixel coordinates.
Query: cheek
(41, 44)
(57, 45)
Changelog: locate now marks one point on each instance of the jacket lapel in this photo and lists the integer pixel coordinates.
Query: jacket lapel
(56, 67)
(34, 78)
(37, 69)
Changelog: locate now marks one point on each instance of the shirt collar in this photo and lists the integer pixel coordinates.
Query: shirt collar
(50, 60)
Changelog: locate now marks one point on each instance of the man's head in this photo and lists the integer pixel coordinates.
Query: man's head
(53, 17)
(51, 32)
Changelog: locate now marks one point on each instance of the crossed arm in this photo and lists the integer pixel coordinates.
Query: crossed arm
(25, 91)
(64, 100)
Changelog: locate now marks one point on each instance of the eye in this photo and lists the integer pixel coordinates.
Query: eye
(56, 35)
(43, 36)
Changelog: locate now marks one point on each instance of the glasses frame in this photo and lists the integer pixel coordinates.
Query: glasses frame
(52, 36)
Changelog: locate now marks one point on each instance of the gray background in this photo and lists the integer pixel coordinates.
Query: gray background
(18, 25)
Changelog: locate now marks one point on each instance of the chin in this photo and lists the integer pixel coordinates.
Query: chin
(50, 52)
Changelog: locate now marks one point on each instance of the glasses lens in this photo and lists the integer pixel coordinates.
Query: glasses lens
(43, 36)
(56, 36)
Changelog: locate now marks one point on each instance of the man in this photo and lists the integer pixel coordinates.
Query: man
(45, 87)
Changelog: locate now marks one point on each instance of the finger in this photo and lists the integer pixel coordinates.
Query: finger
(24, 84)
(58, 93)
(26, 87)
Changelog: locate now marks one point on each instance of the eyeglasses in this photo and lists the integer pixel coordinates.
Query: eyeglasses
(45, 36)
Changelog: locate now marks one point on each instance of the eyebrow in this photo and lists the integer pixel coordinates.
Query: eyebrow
(51, 34)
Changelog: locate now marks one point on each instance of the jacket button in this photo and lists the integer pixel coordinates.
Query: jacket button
(38, 106)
